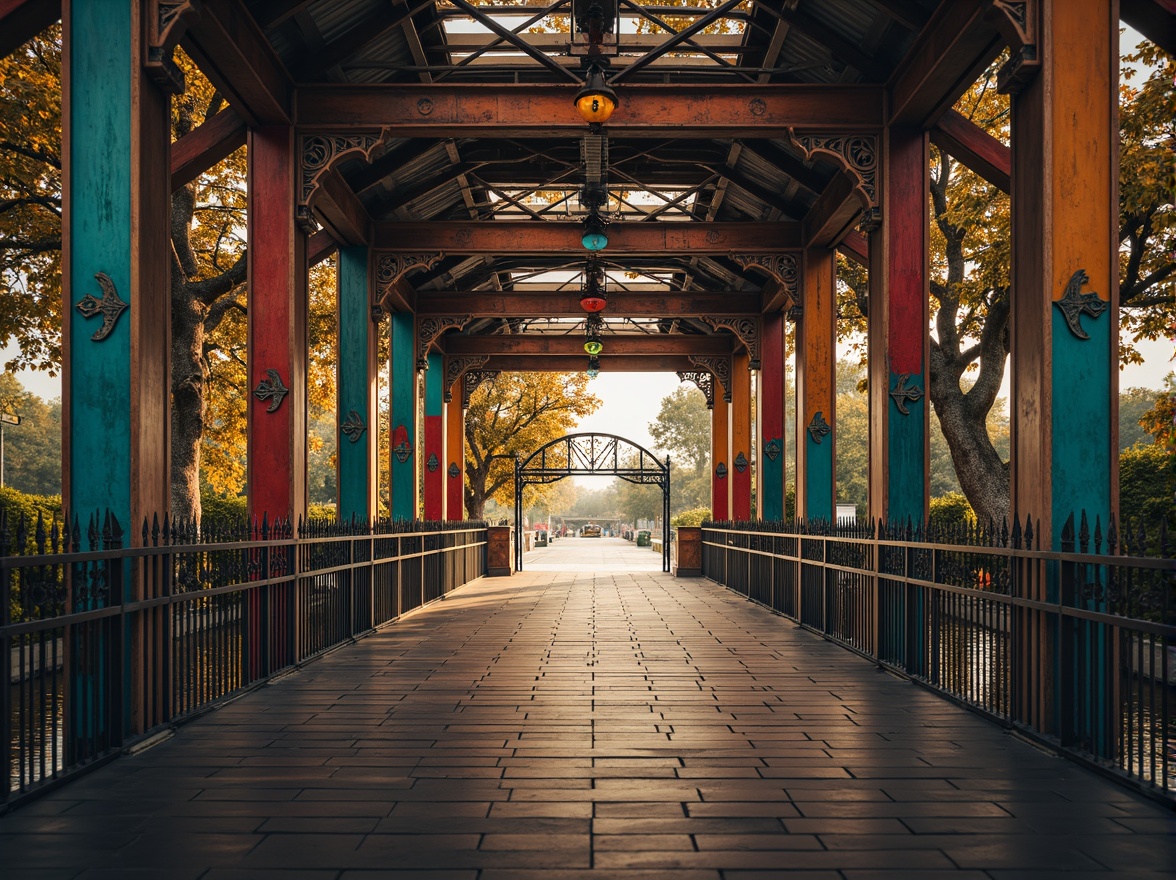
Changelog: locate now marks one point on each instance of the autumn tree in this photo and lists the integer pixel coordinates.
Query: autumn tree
(515, 415)
(682, 429)
(32, 449)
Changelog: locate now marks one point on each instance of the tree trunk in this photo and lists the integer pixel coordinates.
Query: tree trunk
(187, 416)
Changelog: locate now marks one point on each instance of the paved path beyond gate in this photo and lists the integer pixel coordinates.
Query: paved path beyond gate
(558, 725)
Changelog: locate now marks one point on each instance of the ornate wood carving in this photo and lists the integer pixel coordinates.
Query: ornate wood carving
(747, 328)
(109, 307)
(167, 20)
(457, 366)
(1073, 304)
(705, 382)
(784, 268)
(474, 378)
(354, 427)
(719, 367)
(1017, 22)
(857, 153)
(317, 153)
(390, 268)
(818, 428)
(428, 329)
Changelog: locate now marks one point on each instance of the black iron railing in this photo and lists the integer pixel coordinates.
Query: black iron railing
(103, 648)
(1075, 648)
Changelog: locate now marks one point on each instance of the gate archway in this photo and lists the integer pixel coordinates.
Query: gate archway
(592, 454)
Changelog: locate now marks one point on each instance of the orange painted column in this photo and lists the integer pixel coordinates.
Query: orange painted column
(740, 448)
(815, 388)
(720, 458)
(277, 330)
(455, 453)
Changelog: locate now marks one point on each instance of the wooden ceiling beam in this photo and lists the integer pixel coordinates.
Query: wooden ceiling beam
(906, 12)
(213, 140)
(841, 48)
(536, 345)
(393, 160)
(948, 55)
(340, 210)
(230, 49)
(530, 111)
(1153, 19)
(516, 237)
(271, 13)
(832, 217)
(21, 20)
(320, 246)
(855, 247)
(625, 363)
(566, 304)
(971, 145)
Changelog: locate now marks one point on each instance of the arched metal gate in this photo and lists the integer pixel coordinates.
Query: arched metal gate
(592, 455)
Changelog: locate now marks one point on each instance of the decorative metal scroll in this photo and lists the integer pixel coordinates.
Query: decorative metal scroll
(271, 389)
(704, 380)
(902, 393)
(593, 454)
(354, 427)
(474, 378)
(772, 449)
(717, 366)
(318, 152)
(856, 153)
(818, 428)
(428, 329)
(741, 462)
(390, 268)
(784, 269)
(747, 328)
(454, 470)
(167, 21)
(401, 445)
(433, 463)
(1074, 304)
(109, 307)
(457, 366)
(721, 470)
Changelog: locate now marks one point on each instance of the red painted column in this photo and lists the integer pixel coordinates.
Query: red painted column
(434, 479)
(740, 463)
(277, 330)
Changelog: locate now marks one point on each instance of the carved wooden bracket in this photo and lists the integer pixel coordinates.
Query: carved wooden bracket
(428, 329)
(457, 366)
(705, 382)
(857, 154)
(316, 154)
(783, 268)
(474, 378)
(167, 20)
(390, 268)
(719, 367)
(747, 328)
(1017, 21)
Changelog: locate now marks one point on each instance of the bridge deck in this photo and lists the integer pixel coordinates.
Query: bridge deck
(561, 725)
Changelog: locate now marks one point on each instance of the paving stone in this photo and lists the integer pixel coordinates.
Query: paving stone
(575, 724)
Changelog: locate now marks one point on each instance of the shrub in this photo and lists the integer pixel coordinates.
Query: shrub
(950, 510)
(17, 504)
(693, 517)
(222, 509)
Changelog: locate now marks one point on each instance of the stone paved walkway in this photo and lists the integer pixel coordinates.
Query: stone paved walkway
(612, 725)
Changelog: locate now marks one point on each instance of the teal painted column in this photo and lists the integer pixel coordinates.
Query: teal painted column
(115, 246)
(357, 414)
(403, 382)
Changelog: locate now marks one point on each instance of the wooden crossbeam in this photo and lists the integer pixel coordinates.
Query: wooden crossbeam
(625, 363)
(962, 139)
(515, 237)
(510, 110)
(341, 211)
(535, 345)
(21, 20)
(232, 52)
(566, 304)
(949, 54)
(197, 151)
(832, 216)
(1153, 19)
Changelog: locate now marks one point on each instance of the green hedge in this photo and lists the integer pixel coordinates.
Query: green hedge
(694, 517)
(951, 510)
(16, 504)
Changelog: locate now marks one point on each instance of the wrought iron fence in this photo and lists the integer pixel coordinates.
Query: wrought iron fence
(105, 646)
(1076, 647)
